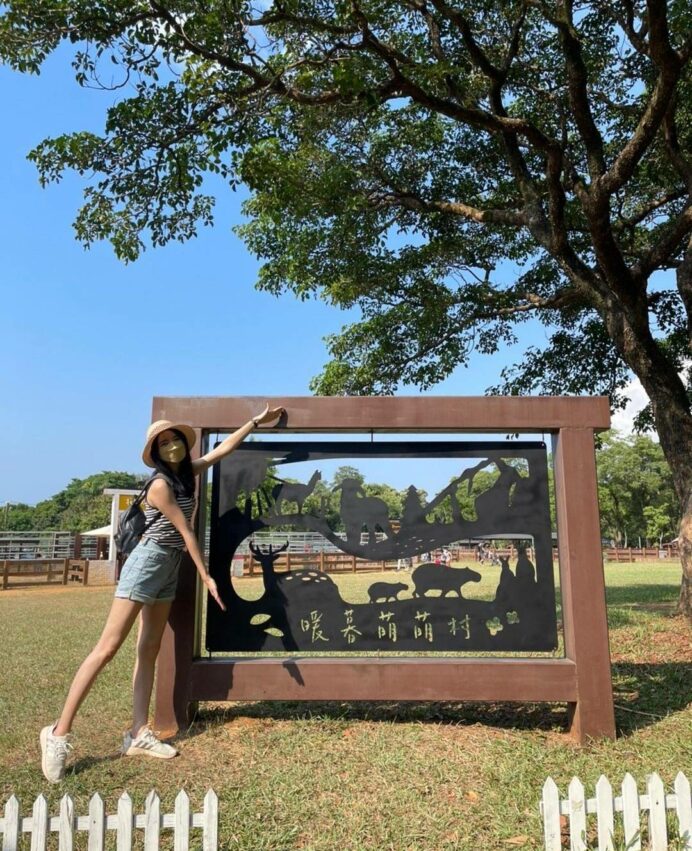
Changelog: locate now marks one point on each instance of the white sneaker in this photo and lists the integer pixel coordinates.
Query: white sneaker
(146, 744)
(54, 751)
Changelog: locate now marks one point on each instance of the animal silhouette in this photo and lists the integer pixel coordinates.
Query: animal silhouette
(266, 557)
(498, 498)
(505, 593)
(526, 573)
(358, 510)
(294, 492)
(438, 577)
(385, 590)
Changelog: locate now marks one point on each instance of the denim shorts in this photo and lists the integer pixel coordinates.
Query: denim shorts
(150, 574)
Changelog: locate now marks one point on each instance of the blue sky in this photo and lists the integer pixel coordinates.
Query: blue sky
(87, 341)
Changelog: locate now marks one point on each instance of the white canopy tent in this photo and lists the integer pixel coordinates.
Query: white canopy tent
(101, 532)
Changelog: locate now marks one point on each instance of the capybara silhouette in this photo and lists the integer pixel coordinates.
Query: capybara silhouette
(439, 577)
(386, 590)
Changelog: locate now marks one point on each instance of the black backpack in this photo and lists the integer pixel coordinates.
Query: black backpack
(132, 524)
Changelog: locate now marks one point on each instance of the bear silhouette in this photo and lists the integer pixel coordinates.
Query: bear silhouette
(388, 590)
(439, 577)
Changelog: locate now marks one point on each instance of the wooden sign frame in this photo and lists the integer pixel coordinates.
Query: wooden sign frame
(581, 678)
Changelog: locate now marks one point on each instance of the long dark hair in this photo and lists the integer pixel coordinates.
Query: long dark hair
(182, 482)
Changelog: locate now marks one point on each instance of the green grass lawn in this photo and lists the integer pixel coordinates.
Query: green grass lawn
(348, 776)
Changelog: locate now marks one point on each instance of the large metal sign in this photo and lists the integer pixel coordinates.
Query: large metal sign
(432, 606)
(508, 609)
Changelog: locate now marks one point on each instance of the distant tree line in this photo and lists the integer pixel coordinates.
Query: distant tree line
(635, 492)
(76, 508)
(636, 495)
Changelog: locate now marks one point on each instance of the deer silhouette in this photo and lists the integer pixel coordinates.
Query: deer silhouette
(266, 557)
(358, 510)
(294, 492)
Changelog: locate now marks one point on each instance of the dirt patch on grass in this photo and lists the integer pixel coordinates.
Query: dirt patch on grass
(669, 641)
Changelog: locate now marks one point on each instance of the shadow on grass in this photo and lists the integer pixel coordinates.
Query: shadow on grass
(641, 595)
(644, 693)
(515, 716)
(87, 762)
(632, 615)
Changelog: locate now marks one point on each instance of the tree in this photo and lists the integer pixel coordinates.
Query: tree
(408, 158)
(657, 523)
(76, 508)
(635, 489)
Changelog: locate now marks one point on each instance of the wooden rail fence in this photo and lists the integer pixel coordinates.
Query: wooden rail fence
(27, 573)
(341, 562)
(582, 834)
(40, 824)
(632, 554)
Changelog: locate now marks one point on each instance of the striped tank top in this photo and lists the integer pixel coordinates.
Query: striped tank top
(161, 530)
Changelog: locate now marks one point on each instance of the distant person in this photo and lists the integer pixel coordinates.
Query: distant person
(147, 586)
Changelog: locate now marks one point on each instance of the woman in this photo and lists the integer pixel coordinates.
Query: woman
(147, 586)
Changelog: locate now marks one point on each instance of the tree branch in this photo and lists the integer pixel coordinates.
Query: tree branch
(411, 201)
(637, 39)
(275, 83)
(478, 57)
(677, 158)
(667, 246)
(306, 21)
(670, 67)
(578, 91)
(646, 210)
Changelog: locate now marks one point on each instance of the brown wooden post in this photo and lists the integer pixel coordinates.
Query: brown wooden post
(173, 707)
(582, 583)
(5, 571)
(65, 571)
(321, 559)
(85, 581)
(353, 563)
(288, 562)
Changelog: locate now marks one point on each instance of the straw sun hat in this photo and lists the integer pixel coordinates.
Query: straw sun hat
(155, 430)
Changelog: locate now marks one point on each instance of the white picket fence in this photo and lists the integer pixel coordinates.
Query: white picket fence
(40, 824)
(630, 803)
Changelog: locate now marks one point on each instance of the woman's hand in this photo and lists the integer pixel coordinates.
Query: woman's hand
(269, 415)
(213, 590)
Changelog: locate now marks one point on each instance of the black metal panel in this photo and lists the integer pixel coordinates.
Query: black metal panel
(427, 610)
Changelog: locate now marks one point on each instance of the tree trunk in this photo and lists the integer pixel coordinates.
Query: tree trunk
(671, 411)
(675, 433)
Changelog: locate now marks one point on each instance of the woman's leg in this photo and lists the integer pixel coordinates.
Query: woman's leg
(120, 619)
(151, 626)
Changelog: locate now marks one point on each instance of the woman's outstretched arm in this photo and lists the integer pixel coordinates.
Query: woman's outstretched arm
(234, 440)
(161, 496)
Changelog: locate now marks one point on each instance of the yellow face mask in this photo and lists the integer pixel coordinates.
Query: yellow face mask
(173, 452)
